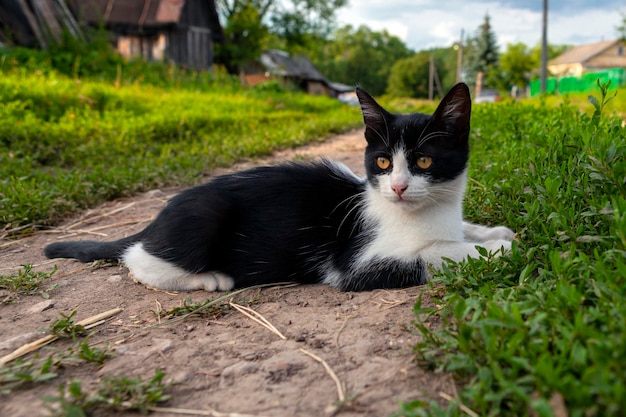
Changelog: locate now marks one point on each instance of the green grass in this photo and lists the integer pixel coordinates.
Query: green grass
(115, 393)
(547, 322)
(24, 282)
(70, 144)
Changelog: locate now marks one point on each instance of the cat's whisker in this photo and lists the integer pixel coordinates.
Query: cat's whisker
(355, 207)
(387, 131)
(382, 137)
(432, 135)
(346, 201)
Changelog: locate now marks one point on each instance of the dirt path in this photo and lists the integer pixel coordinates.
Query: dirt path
(224, 362)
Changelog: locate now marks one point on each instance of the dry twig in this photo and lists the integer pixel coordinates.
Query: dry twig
(462, 406)
(33, 346)
(250, 313)
(209, 412)
(340, 391)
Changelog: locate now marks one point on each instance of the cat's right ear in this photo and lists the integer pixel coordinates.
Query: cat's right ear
(374, 116)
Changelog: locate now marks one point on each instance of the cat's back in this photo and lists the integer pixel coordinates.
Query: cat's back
(290, 183)
(324, 171)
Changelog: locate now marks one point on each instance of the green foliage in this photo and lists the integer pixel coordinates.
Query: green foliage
(207, 308)
(548, 321)
(409, 77)
(92, 354)
(599, 105)
(21, 373)
(65, 326)
(66, 144)
(114, 394)
(361, 56)
(254, 25)
(24, 282)
(96, 61)
(299, 20)
(516, 65)
(245, 37)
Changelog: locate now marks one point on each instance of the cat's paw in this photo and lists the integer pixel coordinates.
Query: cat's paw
(499, 233)
(495, 246)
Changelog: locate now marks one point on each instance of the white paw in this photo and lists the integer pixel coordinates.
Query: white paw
(499, 233)
(210, 281)
(495, 246)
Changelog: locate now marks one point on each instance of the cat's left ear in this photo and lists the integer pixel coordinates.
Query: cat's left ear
(455, 110)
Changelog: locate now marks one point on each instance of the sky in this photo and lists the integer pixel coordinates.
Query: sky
(424, 24)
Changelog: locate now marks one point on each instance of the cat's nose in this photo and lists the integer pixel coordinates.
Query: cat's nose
(399, 188)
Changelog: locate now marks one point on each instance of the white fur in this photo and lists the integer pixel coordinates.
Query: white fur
(425, 221)
(156, 273)
(341, 170)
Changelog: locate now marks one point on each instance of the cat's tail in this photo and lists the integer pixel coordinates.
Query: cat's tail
(89, 250)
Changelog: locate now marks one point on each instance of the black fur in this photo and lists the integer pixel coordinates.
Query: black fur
(291, 222)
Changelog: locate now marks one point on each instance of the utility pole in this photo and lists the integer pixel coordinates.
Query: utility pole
(431, 78)
(544, 47)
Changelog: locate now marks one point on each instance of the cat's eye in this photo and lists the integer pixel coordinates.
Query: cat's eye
(424, 162)
(382, 162)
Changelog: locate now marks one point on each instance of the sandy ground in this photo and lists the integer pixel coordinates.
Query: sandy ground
(222, 363)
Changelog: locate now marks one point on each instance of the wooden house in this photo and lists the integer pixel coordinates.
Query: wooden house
(36, 23)
(180, 31)
(590, 57)
(298, 71)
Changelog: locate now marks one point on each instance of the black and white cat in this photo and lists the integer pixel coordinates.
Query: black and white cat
(319, 222)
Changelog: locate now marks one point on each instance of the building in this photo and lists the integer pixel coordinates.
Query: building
(180, 31)
(297, 71)
(587, 58)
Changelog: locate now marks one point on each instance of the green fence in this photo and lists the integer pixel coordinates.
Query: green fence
(587, 82)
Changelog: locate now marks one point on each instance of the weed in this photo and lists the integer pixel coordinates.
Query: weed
(65, 327)
(114, 393)
(207, 308)
(599, 105)
(25, 282)
(92, 354)
(20, 373)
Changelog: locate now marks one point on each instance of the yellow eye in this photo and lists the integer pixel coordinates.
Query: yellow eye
(424, 162)
(383, 163)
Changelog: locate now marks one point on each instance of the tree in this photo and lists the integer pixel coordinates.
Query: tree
(409, 76)
(482, 54)
(516, 66)
(244, 38)
(360, 56)
(621, 28)
(250, 24)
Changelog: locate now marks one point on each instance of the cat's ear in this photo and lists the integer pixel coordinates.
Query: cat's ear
(455, 109)
(374, 116)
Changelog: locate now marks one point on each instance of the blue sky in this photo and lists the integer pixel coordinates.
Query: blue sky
(423, 24)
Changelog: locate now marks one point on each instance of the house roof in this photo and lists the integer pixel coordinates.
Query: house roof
(281, 63)
(583, 53)
(130, 12)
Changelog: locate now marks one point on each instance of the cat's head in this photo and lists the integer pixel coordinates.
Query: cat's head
(417, 160)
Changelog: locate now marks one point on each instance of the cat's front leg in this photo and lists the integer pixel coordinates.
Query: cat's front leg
(459, 251)
(479, 233)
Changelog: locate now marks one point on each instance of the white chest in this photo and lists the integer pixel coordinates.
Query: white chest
(402, 234)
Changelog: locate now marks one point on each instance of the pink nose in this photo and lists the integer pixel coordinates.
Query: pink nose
(399, 188)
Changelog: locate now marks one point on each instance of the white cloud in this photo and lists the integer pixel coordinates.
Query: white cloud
(424, 24)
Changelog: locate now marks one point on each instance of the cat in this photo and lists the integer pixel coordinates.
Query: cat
(318, 222)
